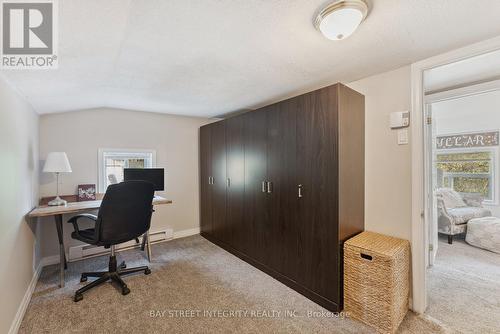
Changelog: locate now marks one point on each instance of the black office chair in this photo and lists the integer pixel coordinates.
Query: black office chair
(124, 215)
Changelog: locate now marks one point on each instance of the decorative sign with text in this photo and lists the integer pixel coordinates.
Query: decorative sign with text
(466, 140)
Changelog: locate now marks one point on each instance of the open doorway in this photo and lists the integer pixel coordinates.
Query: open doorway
(463, 193)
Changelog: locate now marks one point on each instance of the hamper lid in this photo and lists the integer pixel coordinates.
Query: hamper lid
(378, 243)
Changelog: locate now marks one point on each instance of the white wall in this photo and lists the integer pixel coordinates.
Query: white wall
(18, 195)
(387, 164)
(80, 134)
(470, 70)
(467, 114)
(473, 113)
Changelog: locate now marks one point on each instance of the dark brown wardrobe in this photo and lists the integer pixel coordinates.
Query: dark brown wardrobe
(282, 187)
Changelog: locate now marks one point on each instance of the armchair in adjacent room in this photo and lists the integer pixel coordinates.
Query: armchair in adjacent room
(456, 209)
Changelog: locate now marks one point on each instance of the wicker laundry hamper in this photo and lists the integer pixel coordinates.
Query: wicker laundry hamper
(376, 280)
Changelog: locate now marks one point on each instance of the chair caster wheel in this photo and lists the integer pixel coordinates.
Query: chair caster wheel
(125, 291)
(147, 271)
(77, 297)
(83, 279)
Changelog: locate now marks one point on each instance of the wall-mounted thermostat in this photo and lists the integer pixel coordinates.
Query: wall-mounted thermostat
(400, 119)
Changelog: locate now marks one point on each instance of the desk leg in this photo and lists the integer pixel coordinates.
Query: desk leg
(149, 246)
(143, 244)
(62, 256)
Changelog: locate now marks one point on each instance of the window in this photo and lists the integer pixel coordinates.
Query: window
(113, 161)
(468, 171)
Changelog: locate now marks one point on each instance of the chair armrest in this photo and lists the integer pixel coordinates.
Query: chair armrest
(444, 219)
(74, 220)
(440, 206)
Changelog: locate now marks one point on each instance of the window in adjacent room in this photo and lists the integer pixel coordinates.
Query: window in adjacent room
(469, 171)
(113, 161)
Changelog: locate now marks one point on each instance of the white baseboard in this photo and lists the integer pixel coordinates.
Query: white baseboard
(49, 260)
(186, 233)
(16, 323)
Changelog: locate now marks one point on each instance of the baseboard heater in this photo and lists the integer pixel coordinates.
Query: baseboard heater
(84, 251)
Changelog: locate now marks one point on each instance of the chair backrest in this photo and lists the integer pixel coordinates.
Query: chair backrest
(450, 198)
(125, 212)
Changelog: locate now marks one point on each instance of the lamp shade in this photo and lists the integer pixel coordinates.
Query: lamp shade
(57, 162)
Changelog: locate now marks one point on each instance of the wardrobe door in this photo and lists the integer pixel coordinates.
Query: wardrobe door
(205, 180)
(235, 156)
(218, 142)
(282, 199)
(255, 207)
(317, 172)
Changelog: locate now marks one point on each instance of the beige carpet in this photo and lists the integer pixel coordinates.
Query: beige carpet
(464, 288)
(187, 274)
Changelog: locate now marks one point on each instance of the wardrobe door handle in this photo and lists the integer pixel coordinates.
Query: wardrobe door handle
(209, 180)
(300, 190)
(228, 181)
(213, 180)
(269, 187)
(263, 186)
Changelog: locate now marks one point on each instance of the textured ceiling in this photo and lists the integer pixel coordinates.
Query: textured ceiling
(211, 57)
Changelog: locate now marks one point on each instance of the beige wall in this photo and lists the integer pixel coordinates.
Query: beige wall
(80, 134)
(175, 138)
(18, 195)
(388, 165)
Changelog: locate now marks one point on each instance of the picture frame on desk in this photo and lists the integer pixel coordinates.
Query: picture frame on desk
(86, 192)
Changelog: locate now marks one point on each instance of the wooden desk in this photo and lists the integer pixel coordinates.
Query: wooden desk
(74, 207)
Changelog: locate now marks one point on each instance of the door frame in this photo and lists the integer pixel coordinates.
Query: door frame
(419, 154)
(431, 228)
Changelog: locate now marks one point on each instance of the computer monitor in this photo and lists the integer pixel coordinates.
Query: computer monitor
(153, 175)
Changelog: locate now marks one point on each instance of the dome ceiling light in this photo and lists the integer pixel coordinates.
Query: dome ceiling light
(340, 19)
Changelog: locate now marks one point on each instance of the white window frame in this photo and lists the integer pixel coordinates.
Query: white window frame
(148, 154)
(494, 168)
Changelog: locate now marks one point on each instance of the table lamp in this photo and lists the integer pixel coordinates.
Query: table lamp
(57, 162)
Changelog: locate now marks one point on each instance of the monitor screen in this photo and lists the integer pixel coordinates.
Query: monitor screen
(153, 175)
